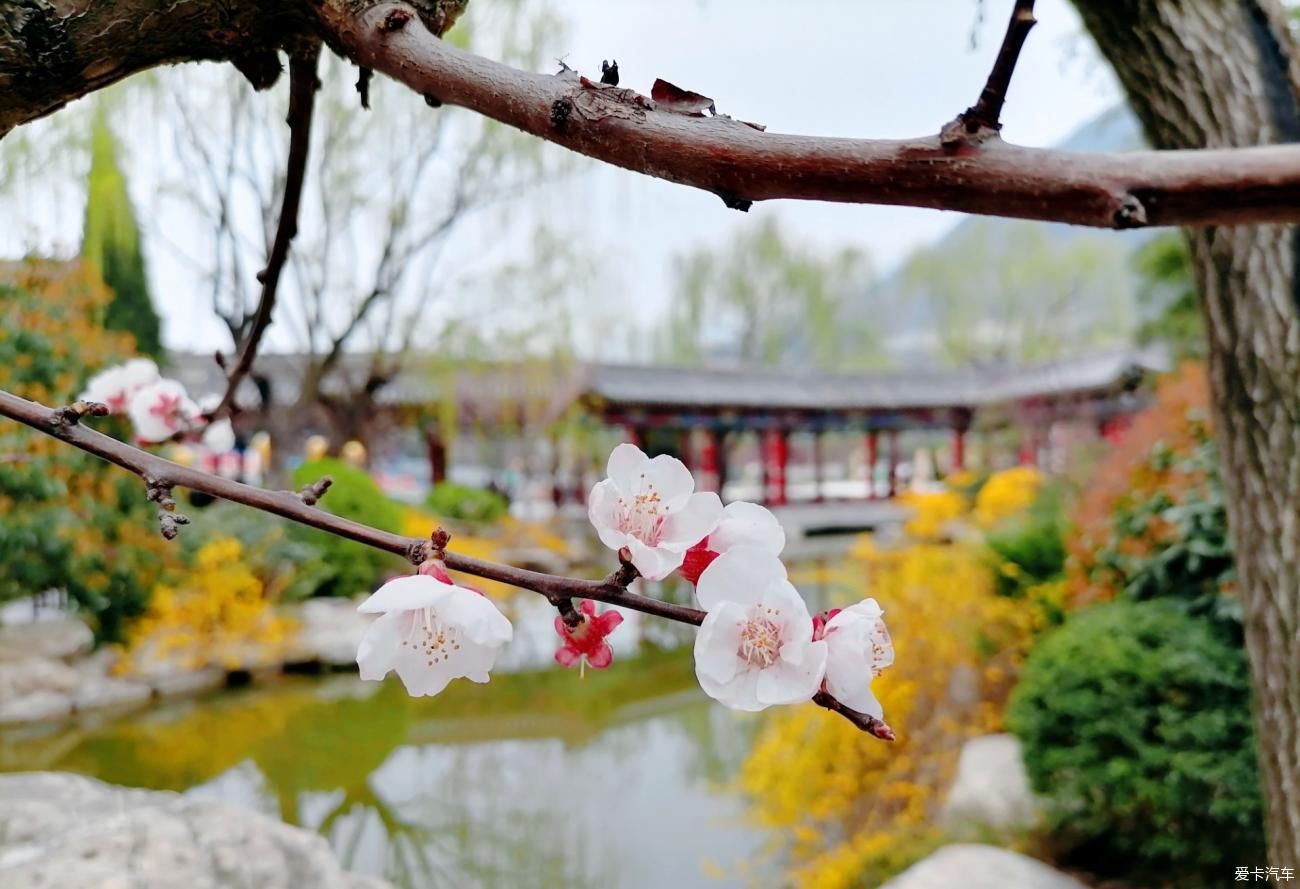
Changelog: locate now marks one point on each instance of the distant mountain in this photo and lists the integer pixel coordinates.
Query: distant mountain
(913, 336)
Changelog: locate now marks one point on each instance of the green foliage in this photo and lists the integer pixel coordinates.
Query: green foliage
(349, 568)
(1034, 543)
(1167, 297)
(288, 566)
(1136, 724)
(1173, 541)
(67, 520)
(453, 501)
(768, 301)
(111, 240)
(1015, 292)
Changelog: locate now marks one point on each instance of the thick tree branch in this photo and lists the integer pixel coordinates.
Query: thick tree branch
(302, 99)
(161, 476)
(742, 164)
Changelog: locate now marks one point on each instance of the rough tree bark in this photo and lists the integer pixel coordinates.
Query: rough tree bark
(1223, 73)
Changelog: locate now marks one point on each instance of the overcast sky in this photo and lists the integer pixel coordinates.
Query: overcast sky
(867, 68)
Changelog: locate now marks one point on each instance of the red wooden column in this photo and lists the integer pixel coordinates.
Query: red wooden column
(776, 458)
(437, 450)
(710, 475)
(817, 466)
(958, 449)
(893, 462)
(873, 456)
(632, 435)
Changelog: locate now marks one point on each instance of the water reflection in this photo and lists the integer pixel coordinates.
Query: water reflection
(535, 780)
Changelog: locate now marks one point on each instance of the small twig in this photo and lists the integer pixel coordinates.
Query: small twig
(311, 494)
(72, 414)
(363, 85)
(986, 114)
(169, 520)
(570, 615)
(865, 721)
(302, 99)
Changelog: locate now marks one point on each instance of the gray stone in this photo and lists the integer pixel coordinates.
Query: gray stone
(329, 632)
(190, 682)
(973, 866)
(36, 674)
(102, 692)
(36, 706)
(991, 787)
(61, 638)
(78, 833)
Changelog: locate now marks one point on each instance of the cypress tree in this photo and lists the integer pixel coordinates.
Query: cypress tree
(111, 240)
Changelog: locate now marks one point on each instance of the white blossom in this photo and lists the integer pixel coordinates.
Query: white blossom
(430, 632)
(114, 386)
(859, 648)
(651, 508)
(755, 647)
(160, 410)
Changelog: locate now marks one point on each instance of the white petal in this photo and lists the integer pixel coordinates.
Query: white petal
(747, 523)
(654, 563)
(602, 509)
(741, 693)
(742, 575)
(695, 520)
(139, 372)
(476, 617)
(408, 593)
(861, 699)
(219, 437)
(794, 619)
(672, 481)
(788, 683)
(626, 464)
(867, 609)
(421, 679)
(377, 653)
(718, 641)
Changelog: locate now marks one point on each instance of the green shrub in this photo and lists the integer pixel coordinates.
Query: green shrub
(349, 568)
(451, 501)
(1034, 543)
(68, 520)
(1136, 725)
(288, 566)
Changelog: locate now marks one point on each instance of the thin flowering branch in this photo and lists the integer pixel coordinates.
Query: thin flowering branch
(302, 99)
(161, 476)
(311, 494)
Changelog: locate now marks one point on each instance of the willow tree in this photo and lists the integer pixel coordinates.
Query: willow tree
(1204, 76)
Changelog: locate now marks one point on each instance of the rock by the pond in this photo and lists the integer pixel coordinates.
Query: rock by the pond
(71, 832)
(104, 692)
(991, 787)
(329, 632)
(36, 706)
(36, 674)
(63, 638)
(973, 866)
(189, 682)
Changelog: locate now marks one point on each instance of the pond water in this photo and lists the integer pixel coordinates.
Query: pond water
(538, 779)
(621, 778)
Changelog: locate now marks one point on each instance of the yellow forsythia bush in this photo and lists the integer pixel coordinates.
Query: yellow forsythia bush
(216, 615)
(849, 803)
(932, 512)
(1007, 493)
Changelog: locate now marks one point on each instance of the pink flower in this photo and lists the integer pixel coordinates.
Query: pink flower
(114, 386)
(161, 410)
(858, 650)
(742, 524)
(650, 508)
(586, 642)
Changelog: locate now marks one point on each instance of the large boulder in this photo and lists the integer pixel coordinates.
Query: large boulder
(991, 787)
(61, 638)
(329, 631)
(972, 866)
(71, 832)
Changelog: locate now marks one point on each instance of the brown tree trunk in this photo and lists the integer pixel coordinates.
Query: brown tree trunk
(1223, 73)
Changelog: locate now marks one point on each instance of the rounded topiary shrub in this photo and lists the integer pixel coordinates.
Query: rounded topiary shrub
(1136, 725)
(348, 568)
